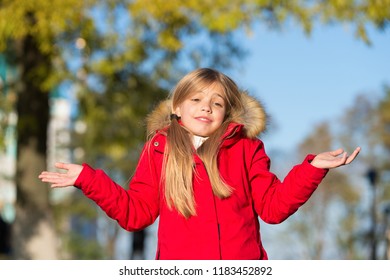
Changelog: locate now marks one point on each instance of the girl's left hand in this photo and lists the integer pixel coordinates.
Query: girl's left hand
(333, 159)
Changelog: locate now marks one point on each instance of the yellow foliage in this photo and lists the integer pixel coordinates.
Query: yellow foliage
(42, 19)
(168, 19)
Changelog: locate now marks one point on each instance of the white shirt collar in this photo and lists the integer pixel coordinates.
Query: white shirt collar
(198, 141)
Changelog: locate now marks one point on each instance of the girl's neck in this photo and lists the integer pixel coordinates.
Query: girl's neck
(198, 140)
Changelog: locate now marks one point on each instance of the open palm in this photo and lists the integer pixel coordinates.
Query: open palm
(333, 159)
(62, 179)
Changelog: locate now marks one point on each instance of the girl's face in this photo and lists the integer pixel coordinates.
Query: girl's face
(203, 112)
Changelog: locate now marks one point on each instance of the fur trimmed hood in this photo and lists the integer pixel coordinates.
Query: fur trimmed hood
(253, 116)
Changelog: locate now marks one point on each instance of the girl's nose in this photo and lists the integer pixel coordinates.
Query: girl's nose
(205, 105)
(206, 108)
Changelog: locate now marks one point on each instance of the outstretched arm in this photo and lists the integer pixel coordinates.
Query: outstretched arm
(333, 159)
(59, 180)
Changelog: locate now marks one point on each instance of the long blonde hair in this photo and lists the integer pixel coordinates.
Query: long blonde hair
(178, 168)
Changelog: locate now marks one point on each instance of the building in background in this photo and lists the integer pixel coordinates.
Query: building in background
(62, 110)
(59, 138)
(8, 120)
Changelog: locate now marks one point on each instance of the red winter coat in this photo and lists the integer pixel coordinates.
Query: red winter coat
(223, 228)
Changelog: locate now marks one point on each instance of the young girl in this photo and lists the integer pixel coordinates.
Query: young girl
(205, 173)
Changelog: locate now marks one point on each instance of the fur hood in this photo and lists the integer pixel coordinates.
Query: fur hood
(253, 116)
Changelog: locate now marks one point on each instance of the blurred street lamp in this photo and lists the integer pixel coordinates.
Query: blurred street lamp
(372, 176)
(387, 231)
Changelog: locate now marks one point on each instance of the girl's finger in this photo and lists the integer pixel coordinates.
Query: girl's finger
(55, 186)
(61, 165)
(53, 180)
(337, 152)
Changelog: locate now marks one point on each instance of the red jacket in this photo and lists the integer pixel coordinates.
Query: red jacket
(222, 229)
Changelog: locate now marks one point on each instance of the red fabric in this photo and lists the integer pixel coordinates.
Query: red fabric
(222, 229)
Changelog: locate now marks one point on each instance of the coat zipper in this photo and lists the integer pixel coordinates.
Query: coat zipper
(218, 229)
(216, 216)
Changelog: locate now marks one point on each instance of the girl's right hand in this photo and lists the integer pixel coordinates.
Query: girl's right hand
(60, 180)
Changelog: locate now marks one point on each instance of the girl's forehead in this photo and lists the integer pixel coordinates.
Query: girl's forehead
(213, 88)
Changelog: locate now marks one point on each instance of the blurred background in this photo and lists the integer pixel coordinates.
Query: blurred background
(77, 79)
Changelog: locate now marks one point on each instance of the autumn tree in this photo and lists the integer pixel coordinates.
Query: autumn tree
(364, 124)
(384, 118)
(384, 131)
(317, 226)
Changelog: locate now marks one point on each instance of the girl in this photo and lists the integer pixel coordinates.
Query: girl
(205, 173)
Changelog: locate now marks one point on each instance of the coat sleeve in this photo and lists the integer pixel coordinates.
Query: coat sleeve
(276, 200)
(135, 208)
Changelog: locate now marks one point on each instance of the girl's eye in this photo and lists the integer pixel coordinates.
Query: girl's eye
(218, 104)
(195, 99)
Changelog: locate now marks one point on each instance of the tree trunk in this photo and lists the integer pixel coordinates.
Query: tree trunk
(33, 235)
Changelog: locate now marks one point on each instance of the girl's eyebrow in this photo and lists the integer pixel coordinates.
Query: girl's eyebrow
(218, 95)
(212, 93)
(200, 91)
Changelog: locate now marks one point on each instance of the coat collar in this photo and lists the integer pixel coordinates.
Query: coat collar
(251, 120)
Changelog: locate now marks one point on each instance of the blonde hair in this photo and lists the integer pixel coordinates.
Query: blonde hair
(178, 166)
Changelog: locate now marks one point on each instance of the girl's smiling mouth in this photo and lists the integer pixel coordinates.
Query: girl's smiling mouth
(203, 119)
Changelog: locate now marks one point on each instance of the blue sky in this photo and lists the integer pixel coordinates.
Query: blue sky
(305, 80)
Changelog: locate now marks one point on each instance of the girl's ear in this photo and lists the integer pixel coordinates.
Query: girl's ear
(177, 111)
